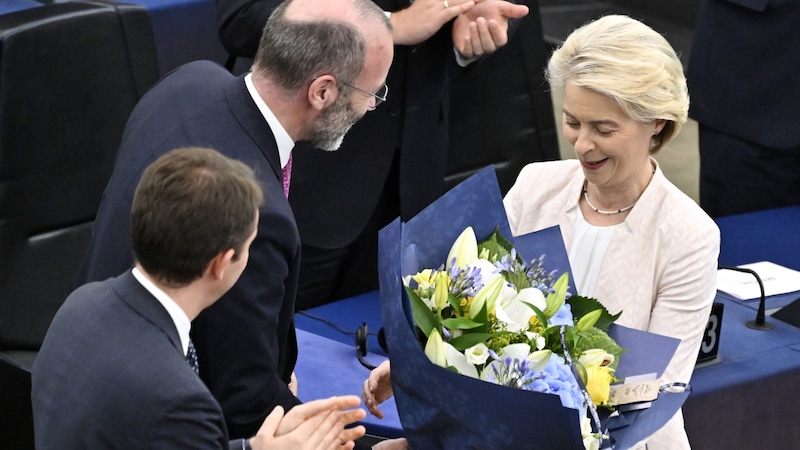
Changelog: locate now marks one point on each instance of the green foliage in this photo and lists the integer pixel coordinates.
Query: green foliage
(468, 340)
(581, 306)
(496, 245)
(556, 298)
(505, 338)
(482, 318)
(596, 338)
(539, 314)
(460, 323)
(456, 304)
(423, 316)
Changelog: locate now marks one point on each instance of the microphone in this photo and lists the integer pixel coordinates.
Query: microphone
(760, 323)
(361, 346)
(361, 335)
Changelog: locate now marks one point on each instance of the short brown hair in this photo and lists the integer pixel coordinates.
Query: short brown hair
(191, 205)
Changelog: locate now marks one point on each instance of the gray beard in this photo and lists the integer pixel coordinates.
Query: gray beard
(333, 125)
(330, 143)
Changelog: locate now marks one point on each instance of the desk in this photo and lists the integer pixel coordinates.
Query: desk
(747, 401)
(772, 235)
(328, 367)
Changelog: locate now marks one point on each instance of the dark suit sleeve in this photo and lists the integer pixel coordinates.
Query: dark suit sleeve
(246, 340)
(190, 422)
(240, 23)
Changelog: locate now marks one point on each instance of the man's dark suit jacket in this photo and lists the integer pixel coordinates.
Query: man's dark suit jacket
(742, 76)
(111, 374)
(412, 125)
(246, 341)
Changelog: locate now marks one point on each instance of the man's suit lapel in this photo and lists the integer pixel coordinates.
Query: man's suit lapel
(142, 301)
(253, 123)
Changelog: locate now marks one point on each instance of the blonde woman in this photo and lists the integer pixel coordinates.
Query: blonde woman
(635, 241)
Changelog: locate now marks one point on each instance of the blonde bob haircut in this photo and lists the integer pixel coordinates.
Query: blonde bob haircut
(630, 63)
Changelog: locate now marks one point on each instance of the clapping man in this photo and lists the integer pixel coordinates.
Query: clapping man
(299, 89)
(117, 367)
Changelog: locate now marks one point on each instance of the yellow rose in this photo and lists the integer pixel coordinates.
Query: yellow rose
(599, 383)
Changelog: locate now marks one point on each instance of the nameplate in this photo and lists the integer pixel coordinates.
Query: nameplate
(644, 391)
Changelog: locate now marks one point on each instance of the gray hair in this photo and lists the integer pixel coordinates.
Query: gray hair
(630, 63)
(293, 52)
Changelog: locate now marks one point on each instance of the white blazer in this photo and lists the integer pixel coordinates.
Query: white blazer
(659, 270)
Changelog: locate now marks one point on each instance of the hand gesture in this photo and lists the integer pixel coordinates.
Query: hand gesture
(377, 388)
(484, 27)
(424, 18)
(314, 425)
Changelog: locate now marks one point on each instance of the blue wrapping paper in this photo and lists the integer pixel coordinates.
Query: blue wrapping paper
(440, 409)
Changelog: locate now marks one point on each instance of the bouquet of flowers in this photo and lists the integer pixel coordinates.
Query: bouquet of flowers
(488, 314)
(485, 314)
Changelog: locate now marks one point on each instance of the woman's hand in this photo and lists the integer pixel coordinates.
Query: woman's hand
(377, 388)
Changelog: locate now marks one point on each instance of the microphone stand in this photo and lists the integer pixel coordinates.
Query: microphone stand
(760, 323)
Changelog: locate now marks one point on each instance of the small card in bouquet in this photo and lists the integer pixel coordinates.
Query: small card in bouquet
(439, 407)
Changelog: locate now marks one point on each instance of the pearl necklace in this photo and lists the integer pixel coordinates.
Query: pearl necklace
(602, 211)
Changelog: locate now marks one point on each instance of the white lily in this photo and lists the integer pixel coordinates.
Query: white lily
(508, 293)
(533, 296)
(464, 250)
(488, 270)
(435, 349)
(516, 351)
(538, 360)
(487, 295)
(441, 291)
(458, 360)
(596, 357)
(515, 313)
(505, 318)
(537, 338)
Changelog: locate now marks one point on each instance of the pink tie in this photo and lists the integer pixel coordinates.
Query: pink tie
(287, 176)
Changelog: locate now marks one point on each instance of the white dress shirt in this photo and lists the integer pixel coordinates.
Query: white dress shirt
(179, 318)
(285, 142)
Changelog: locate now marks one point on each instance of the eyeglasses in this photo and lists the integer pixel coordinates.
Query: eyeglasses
(380, 96)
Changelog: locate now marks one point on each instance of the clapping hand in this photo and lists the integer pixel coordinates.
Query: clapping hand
(484, 28)
(314, 425)
(424, 18)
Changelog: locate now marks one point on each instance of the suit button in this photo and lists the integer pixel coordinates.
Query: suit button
(394, 112)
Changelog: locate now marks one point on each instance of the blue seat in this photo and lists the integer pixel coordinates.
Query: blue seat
(184, 31)
(9, 6)
(70, 74)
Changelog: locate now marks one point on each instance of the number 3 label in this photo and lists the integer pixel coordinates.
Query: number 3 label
(709, 348)
(710, 341)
